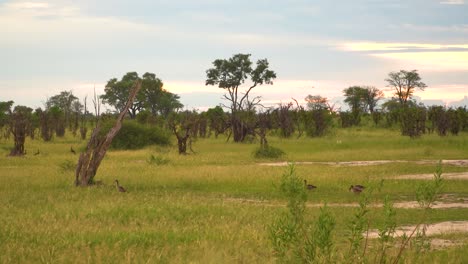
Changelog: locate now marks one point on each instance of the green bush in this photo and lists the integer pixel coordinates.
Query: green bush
(133, 135)
(268, 153)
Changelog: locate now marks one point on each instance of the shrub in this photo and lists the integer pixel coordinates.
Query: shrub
(268, 153)
(133, 135)
(157, 160)
(413, 121)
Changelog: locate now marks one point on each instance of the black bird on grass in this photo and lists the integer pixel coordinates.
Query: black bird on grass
(72, 150)
(120, 188)
(356, 188)
(309, 186)
(37, 153)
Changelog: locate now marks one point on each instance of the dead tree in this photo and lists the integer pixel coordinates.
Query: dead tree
(97, 146)
(83, 126)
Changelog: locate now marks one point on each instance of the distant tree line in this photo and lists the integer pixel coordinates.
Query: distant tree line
(245, 120)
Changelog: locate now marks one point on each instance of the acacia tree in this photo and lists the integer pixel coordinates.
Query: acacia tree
(230, 74)
(316, 102)
(405, 83)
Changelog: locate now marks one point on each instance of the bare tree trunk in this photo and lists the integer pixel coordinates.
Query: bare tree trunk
(97, 147)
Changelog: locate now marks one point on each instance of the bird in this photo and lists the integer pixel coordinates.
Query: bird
(72, 150)
(37, 153)
(120, 188)
(309, 186)
(356, 188)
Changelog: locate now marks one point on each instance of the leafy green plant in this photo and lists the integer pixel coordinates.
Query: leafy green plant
(134, 135)
(268, 152)
(295, 240)
(157, 160)
(67, 166)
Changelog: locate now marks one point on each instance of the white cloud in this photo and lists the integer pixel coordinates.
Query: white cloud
(453, 2)
(429, 61)
(423, 56)
(390, 46)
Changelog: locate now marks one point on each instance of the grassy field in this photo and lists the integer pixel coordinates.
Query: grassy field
(210, 207)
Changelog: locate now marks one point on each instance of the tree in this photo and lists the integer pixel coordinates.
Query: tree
(182, 124)
(316, 102)
(96, 149)
(230, 74)
(372, 97)
(405, 83)
(151, 97)
(218, 120)
(5, 112)
(355, 98)
(117, 92)
(66, 102)
(20, 122)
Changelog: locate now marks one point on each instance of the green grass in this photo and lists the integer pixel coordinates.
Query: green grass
(196, 208)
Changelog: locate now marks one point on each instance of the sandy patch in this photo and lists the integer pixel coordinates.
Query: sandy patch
(437, 243)
(433, 229)
(407, 205)
(460, 163)
(429, 176)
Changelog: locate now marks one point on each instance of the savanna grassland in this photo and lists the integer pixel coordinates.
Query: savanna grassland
(213, 206)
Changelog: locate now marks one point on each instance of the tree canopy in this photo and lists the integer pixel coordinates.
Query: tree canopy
(230, 74)
(405, 83)
(152, 96)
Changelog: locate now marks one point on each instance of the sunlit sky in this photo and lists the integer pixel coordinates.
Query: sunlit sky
(315, 47)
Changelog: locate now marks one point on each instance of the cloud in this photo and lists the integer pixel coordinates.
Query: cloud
(27, 5)
(429, 61)
(453, 2)
(422, 56)
(383, 46)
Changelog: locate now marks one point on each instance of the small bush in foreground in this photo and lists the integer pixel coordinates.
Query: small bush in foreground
(298, 240)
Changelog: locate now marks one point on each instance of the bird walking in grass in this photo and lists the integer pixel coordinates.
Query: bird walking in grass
(119, 188)
(72, 150)
(309, 186)
(356, 188)
(37, 153)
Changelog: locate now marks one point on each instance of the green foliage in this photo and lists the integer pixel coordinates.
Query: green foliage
(413, 121)
(157, 160)
(152, 96)
(67, 166)
(268, 152)
(317, 122)
(404, 84)
(5, 111)
(294, 240)
(133, 135)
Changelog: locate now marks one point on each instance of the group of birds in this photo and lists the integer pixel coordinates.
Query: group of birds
(357, 189)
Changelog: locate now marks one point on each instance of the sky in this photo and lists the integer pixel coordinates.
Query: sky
(317, 47)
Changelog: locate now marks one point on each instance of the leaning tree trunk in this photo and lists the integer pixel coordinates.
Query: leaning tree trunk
(97, 146)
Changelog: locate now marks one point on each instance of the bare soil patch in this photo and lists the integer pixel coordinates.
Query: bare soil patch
(459, 163)
(407, 205)
(429, 176)
(433, 229)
